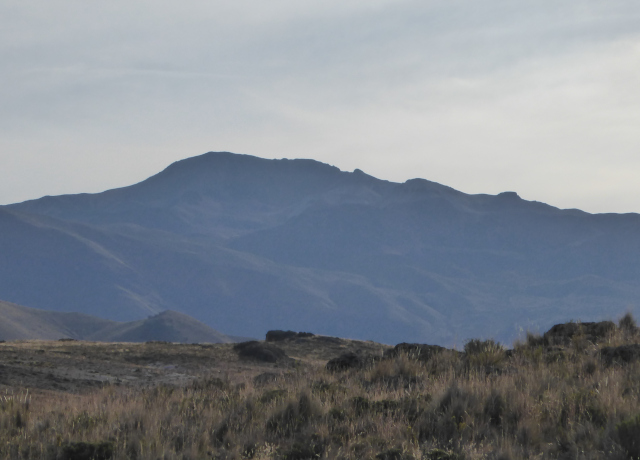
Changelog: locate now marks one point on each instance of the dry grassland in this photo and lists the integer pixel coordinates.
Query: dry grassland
(77, 400)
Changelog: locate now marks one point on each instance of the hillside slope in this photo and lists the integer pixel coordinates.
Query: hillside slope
(24, 323)
(247, 245)
(168, 326)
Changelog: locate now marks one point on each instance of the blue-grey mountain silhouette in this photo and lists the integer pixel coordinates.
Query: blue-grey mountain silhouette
(248, 245)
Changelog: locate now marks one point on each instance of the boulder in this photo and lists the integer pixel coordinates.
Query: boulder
(562, 334)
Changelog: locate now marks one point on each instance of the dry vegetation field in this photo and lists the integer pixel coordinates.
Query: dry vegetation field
(572, 394)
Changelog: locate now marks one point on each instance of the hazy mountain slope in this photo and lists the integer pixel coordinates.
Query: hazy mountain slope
(18, 322)
(61, 266)
(55, 265)
(23, 323)
(246, 245)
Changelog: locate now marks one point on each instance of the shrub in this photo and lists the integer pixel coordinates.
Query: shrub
(260, 352)
(265, 378)
(293, 417)
(623, 354)
(562, 334)
(628, 323)
(629, 436)
(439, 454)
(414, 407)
(219, 434)
(360, 405)
(394, 454)
(401, 371)
(279, 336)
(273, 395)
(494, 408)
(477, 346)
(534, 340)
(86, 451)
(305, 450)
(345, 361)
(419, 351)
(338, 414)
(487, 353)
(448, 422)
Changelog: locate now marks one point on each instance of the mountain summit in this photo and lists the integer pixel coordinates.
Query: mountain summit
(246, 244)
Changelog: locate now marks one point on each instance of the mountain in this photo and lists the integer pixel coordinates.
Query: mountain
(168, 326)
(23, 323)
(247, 244)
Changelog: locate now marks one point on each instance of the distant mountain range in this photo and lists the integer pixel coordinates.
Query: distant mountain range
(23, 323)
(246, 244)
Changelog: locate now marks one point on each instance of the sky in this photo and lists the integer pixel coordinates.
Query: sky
(541, 97)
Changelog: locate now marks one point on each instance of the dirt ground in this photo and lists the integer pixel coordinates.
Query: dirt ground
(79, 366)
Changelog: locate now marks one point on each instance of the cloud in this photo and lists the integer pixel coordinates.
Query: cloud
(534, 96)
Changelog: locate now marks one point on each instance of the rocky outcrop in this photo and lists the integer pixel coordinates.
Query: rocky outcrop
(562, 334)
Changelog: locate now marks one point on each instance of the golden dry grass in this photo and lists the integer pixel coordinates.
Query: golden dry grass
(531, 402)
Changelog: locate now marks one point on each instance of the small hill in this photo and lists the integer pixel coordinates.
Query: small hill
(24, 323)
(168, 326)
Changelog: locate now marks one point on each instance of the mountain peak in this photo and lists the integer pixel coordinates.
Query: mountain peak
(509, 195)
(228, 162)
(248, 244)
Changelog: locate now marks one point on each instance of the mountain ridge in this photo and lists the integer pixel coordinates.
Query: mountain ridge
(252, 244)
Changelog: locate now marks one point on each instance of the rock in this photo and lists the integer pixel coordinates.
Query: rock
(561, 334)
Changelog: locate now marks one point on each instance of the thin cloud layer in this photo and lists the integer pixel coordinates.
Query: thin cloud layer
(539, 97)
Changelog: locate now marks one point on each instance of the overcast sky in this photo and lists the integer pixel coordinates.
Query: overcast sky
(541, 97)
